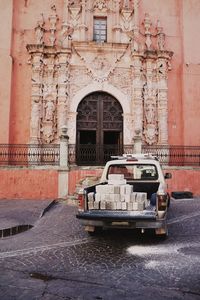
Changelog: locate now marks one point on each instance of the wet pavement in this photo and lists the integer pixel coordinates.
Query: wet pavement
(56, 259)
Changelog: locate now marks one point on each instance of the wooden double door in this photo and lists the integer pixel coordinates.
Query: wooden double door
(99, 128)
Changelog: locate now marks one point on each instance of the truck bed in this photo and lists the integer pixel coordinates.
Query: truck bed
(142, 186)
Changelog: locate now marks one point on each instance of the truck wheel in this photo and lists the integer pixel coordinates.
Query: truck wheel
(95, 231)
(161, 233)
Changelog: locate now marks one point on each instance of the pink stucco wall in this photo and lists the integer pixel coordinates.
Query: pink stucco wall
(182, 179)
(75, 176)
(43, 184)
(28, 184)
(180, 23)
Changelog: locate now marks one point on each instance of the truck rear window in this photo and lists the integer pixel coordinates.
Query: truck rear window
(135, 171)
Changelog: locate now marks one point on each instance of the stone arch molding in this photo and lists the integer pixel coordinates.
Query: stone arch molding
(107, 88)
(92, 88)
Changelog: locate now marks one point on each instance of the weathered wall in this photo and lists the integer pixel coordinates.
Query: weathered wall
(179, 19)
(183, 179)
(44, 184)
(75, 176)
(191, 72)
(28, 184)
(5, 67)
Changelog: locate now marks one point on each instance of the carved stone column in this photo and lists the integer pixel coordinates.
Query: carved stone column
(162, 77)
(63, 89)
(49, 126)
(162, 116)
(71, 125)
(137, 101)
(128, 129)
(36, 96)
(117, 27)
(82, 26)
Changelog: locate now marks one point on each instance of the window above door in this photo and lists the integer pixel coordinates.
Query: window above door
(100, 29)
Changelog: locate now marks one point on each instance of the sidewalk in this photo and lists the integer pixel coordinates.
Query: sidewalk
(21, 212)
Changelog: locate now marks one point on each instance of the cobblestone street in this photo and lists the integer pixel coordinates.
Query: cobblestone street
(57, 260)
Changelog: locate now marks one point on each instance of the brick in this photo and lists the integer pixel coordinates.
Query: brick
(115, 177)
(113, 189)
(133, 197)
(110, 205)
(141, 197)
(126, 189)
(124, 206)
(117, 182)
(91, 204)
(103, 205)
(96, 204)
(135, 205)
(90, 196)
(130, 206)
(141, 205)
(119, 205)
(127, 198)
(97, 197)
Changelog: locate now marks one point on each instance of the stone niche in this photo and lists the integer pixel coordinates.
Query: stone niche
(66, 62)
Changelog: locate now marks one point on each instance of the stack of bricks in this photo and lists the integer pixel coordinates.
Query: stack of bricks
(117, 195)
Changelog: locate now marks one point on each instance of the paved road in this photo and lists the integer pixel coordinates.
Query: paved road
(57, 260)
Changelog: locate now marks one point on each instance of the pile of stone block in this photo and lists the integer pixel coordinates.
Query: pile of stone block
(117, 195)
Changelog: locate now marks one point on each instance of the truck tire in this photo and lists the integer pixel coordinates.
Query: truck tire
(161, 233)
(96, 231)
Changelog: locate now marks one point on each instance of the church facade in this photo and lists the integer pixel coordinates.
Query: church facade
(106, 70)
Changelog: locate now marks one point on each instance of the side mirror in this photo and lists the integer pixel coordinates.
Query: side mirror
(168, 176)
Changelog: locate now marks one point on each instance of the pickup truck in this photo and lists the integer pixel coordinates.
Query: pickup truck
(131, 194)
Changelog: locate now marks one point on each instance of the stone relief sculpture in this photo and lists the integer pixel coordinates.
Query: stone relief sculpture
(49, 110)
(100, 4)
(39, 32)
(65, 60)
(35, 120)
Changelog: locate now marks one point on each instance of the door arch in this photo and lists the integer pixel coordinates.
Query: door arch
(99, 128)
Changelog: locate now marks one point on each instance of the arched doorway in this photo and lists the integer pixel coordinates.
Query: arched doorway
(99, 129)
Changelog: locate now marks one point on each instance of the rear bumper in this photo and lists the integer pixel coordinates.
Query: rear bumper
(121, 219)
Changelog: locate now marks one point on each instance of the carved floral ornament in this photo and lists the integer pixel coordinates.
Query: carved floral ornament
(145, 54)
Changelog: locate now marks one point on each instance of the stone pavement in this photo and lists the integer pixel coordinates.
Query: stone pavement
(21, 212)
(57, 260)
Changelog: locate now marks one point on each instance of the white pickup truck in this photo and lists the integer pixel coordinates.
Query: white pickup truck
(131, 194)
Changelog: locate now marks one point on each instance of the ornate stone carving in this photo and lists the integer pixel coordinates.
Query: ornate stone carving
(121, 79)
(66, 36)
(35, 120)
(79, 78)
(100, 5)
(75, 15)
(53, 20)
(147, 26)
(160, 37)
(138, 65)
(49, 110)
(127, 14)
(128, 128)
(150, 113)
(39, 32)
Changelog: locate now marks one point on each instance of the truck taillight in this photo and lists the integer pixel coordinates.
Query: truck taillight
(161, 202)
(80, 201)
